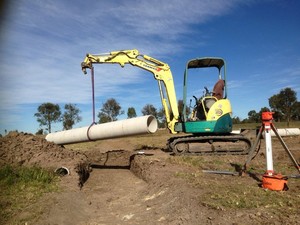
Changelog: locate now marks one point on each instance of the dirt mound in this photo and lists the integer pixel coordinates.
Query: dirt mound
(30, 150)
(133, 186)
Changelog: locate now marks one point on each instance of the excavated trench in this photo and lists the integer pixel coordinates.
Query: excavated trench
(131, 187)
(120, 189)
(122, 160)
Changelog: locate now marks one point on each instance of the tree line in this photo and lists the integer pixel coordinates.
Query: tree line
(284, 105)
(49, 113)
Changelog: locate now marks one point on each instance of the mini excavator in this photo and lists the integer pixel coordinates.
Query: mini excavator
(208, 127)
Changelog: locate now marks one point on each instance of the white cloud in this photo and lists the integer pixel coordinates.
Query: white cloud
(45, 41)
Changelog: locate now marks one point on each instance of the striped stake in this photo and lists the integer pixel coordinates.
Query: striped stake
(267, 120)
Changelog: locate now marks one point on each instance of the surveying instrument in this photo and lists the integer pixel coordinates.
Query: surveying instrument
(271, 180)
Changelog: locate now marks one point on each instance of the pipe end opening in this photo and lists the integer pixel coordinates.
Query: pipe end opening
(152, 124)
(62, 171)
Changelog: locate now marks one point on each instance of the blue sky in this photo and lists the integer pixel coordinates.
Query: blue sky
(44, 42)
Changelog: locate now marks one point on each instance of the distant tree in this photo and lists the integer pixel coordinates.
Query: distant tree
(149, 110)
(110, 110)
(264, 109)
(131, 112)
(70, 116)
(47, 114)
(253, 116)
(236, 120)
(104, 118)
(161, 117)
(284, 103)
(180, 108)
(40, 132)
(296, 112)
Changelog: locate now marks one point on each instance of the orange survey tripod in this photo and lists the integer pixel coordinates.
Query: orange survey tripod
(271, 180)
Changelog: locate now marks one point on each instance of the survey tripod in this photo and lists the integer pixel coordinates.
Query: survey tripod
(267, 126)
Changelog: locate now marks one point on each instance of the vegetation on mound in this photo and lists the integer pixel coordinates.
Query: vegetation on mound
(20, 188)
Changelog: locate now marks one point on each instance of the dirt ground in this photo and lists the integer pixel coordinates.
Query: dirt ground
(134, 183)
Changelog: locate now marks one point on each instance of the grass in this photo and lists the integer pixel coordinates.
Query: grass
(225, 192)
(194, 161)
(293, 124)
(21, 187)
(237, 195)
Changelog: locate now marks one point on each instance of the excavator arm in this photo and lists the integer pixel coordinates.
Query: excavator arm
(160, 70)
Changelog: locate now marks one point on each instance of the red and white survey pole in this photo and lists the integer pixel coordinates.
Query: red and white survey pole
(267, 122)
(270, 180)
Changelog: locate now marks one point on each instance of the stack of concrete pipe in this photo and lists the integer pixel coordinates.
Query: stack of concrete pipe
(287, 132)
(134, 126)
(282, 132)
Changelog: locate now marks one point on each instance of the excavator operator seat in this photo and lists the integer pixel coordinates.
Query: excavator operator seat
(219, 89)
(206, 102)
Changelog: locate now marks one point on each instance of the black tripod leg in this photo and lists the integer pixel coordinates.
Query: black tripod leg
(254, 146)
(297, 165)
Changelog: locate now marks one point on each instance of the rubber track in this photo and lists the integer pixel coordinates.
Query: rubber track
(204, 139)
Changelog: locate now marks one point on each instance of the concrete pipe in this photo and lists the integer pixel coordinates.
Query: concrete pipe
(121, 128)
(62, 171)
(287, 132)
(281, 132)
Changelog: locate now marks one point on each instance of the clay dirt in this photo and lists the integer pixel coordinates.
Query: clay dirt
(134, 180)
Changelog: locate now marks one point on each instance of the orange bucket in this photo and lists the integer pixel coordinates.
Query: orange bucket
(275, 182)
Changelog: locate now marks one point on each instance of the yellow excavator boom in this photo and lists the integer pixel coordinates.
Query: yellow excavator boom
(160, 70)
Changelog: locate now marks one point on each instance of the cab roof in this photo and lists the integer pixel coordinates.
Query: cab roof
(206, 62)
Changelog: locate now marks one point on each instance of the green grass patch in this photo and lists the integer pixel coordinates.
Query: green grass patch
(224, 192)
(22, 186)
(227, 192)
(239, 196)
(194, 161)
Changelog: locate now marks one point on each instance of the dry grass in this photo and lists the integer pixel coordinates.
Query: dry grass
(20, 188)
(222, 192)
(293, 124)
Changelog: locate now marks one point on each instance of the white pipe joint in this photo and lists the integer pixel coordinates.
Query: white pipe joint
(134, 126)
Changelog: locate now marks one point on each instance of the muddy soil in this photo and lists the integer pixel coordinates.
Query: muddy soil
(149, 186)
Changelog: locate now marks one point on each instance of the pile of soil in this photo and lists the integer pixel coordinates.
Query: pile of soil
(26, 149)
(134, 186)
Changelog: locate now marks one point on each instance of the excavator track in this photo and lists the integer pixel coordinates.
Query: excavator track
(210, 145)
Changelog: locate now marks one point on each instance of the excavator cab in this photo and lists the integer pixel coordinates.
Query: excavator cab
(212, 111)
